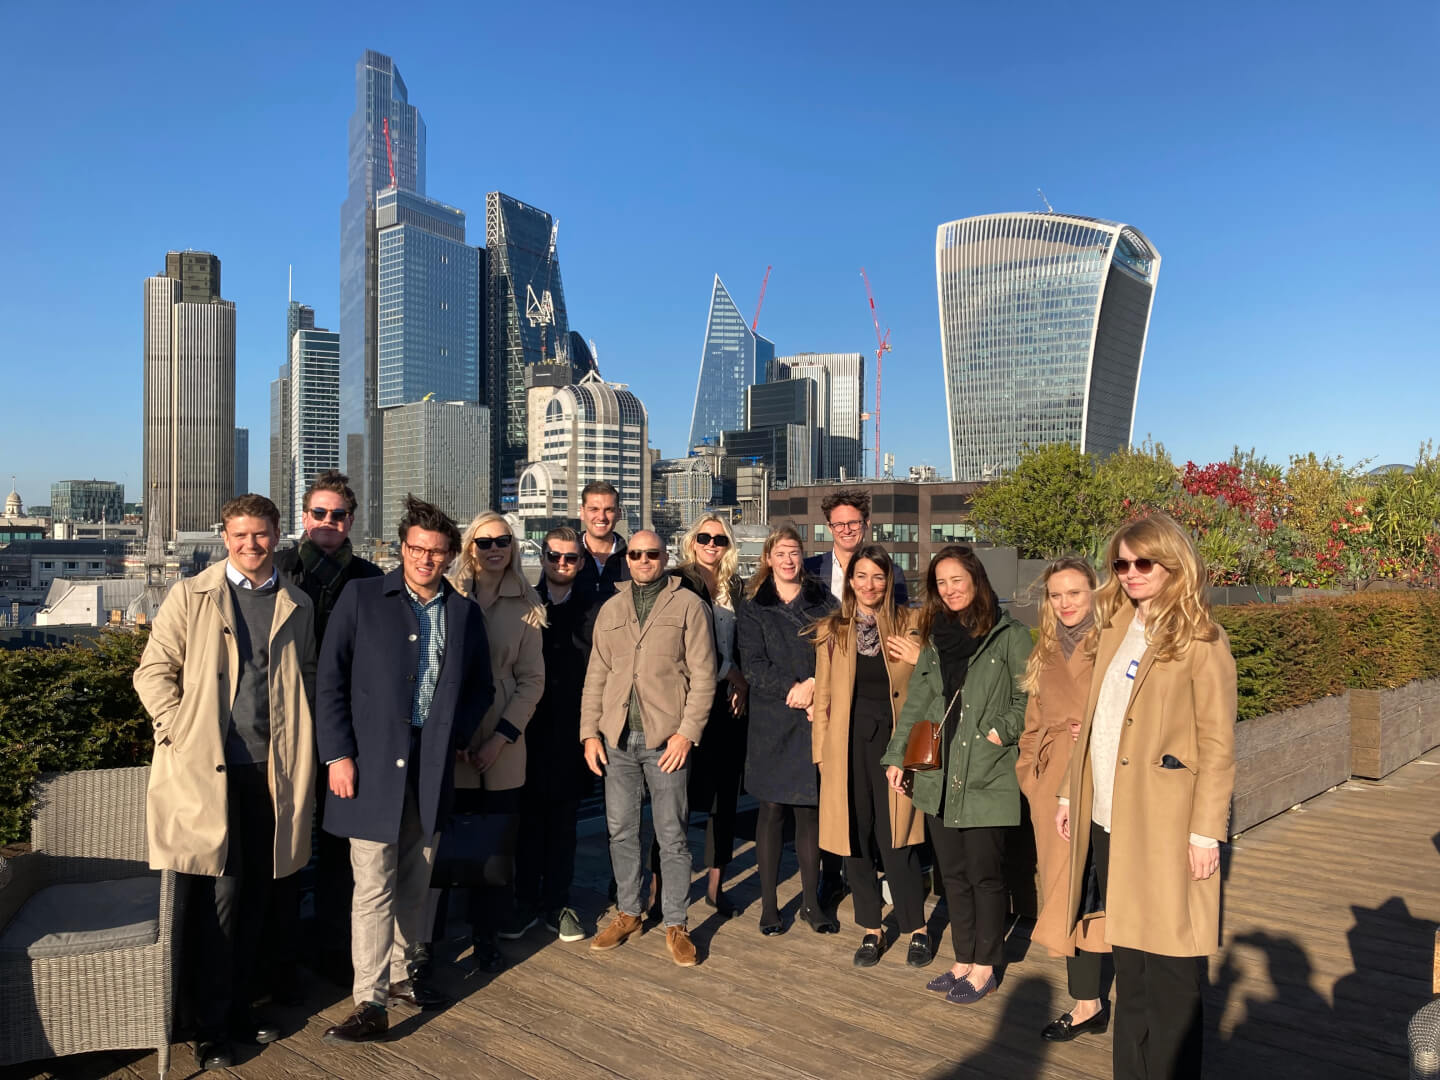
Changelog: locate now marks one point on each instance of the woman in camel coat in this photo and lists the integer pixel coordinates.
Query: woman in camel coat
(864, 654)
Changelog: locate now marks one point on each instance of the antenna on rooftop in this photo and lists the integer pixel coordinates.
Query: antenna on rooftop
(1048, 208)
(290, 289)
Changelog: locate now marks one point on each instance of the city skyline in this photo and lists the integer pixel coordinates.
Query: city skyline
(1247, 179)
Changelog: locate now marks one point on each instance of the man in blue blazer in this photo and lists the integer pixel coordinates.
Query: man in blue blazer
(404, 679)
(848, 515)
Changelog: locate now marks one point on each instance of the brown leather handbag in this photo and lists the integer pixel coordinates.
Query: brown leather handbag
(924, 745)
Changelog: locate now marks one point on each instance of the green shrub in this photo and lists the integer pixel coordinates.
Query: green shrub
(67, 708)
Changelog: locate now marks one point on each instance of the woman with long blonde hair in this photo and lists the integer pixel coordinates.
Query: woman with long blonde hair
(1057, 678)
(490, 773)
(1149, 792)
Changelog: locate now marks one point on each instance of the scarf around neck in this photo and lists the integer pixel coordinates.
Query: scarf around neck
(867, 634)
(1070, 637)
(956, 645)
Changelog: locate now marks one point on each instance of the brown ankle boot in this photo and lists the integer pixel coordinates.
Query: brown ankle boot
(682, 949)
(620, 928)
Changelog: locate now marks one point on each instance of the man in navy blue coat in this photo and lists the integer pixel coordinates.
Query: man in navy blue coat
(404, 679)
(848, 515)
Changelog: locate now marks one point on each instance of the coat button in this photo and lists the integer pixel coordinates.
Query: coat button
(1129, 720)
(219, 768)
(409, 678)
(1124, 761)
(399, 762)
(225, 630)
(895, 694)
(414, 637)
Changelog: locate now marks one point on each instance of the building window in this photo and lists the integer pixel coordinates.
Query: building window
(905, 560)
(951, 532)
(887, 532)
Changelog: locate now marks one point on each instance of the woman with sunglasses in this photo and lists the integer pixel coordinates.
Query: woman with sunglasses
(491, 773)
(1148, 793)
(864, 654)
(1057, 678)
(778, 660)
(965, 683)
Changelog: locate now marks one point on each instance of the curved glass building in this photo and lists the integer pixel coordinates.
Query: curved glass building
(1043, 319)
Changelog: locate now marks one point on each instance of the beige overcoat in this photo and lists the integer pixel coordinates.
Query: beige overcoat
(186, 680)
(517, 663)
(1184, 708)
(1045, 750)
(830, 737)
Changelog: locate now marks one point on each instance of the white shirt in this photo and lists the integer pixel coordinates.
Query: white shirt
(837, 577)
(240, 581)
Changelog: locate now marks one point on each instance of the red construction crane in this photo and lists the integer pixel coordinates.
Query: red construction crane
(761, 302)
(389, 157)
(882, 346)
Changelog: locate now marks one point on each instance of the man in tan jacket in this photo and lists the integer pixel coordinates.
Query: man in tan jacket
(648, 692)
(228, 678)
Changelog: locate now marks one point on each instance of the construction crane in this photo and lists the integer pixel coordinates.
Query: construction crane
(389, 157)
(755, 323)
(882, 346)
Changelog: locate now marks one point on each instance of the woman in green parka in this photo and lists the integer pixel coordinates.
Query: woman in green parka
(966, 680)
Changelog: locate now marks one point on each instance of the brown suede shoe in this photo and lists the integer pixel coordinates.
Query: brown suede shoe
(620, 928)
(368, 1021)
(682, 949)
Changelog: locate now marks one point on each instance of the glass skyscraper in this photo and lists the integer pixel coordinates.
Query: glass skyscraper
(1043, 319)
(733, 358)
(525, 321)
(840, 378)
(429, 298)
(381, 101)
(314, 415)
(298, 316)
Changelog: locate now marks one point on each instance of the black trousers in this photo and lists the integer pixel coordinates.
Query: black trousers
(1082, 972)
(770, 839)
(870, 836)
(972, 870)
(545, 851)
(224, 916)
(1159, 1021)
(487, 905)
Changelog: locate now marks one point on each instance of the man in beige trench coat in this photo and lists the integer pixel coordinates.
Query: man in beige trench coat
(228, 678)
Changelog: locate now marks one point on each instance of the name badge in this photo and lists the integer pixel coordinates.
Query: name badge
(1132, 669)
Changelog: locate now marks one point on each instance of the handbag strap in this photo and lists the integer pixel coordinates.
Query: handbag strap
(945, 719)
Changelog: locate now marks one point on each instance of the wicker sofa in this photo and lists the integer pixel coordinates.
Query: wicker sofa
(87, 930)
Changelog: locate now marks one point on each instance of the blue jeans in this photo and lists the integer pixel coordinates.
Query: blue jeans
(632, 768)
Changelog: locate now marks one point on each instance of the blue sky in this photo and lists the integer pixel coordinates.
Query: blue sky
(1282, 157)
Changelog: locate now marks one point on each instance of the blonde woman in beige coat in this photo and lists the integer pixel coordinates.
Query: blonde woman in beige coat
(490, 774)
(1057, 678)
(864, 654)
(1149, 792)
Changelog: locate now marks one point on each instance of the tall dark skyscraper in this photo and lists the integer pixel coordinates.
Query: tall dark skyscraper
(386, 132)
(525, 322)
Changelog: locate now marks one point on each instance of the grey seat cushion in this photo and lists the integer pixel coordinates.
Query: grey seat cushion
(83, 917)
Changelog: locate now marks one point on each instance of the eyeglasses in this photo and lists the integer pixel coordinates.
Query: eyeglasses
(636, 554)
(720, 540)
(853, 525)
(420, 553)
(1142, 566)
(319, 513)
(561, 557)
(485, 543)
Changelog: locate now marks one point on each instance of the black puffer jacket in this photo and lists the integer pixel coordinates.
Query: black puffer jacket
(555, 762)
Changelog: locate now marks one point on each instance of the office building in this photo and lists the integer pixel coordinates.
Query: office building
(386, 135)
(87, 500)
(189, 395)
(429, 302)
(1043, 319)
(525, 321)
(780, 432)
(242, 461)
(437, 451)
(840, 407)
(683, 489)
(297, 317)
(314, 413)
(732, 358)
(594, 430)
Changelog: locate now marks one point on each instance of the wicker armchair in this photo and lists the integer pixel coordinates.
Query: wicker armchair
(90, 963)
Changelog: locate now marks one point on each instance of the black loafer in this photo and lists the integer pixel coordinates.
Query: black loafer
(417, 993)
(365, 1023)
(868, 954)
(819, 921)
(214, 1054)
(487, 956)
(919, 954)
(1065, 1028)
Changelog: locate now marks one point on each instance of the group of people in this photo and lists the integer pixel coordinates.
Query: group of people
(892, 735)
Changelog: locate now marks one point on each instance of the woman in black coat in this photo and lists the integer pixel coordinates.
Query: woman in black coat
(777, 656)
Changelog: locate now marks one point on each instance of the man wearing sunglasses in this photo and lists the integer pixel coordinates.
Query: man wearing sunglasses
(847, 513)
(648, 691)
(321, 565)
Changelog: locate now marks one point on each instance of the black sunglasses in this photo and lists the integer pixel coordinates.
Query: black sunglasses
(720, 540)
(319, 513)
(561, 557)
(636, 554)
(1142, 566)
(485, 543)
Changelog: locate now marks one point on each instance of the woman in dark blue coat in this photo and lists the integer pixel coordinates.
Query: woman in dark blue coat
(777, 657)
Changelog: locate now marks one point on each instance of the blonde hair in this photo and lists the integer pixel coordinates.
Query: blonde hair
(466, 574)
(1180, 612)
(729, 558)
(762, 573)
(1048, 640)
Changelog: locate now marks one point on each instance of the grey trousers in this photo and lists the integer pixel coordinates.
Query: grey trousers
(632, 768)
(387, 918)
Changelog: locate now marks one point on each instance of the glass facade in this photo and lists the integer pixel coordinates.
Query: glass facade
(1042, 324)
(525, 320)
(436, 450)
(314, 415)
(381, 101)
(87, 500)
(732, 359)
(840, 378)
(429, 302)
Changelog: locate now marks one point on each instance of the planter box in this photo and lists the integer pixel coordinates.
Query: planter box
(1287, 757)
(1390, 728)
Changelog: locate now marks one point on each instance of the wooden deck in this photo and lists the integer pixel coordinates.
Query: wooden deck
(1330, 920)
